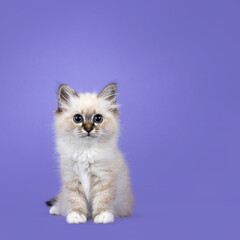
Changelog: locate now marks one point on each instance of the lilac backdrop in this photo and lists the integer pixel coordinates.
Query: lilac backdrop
(177, 67)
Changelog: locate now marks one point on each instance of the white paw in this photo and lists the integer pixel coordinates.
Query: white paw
(75, 217)
(54, 210)
(104, 217)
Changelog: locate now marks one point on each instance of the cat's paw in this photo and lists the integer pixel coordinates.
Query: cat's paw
(104, 217)
(54, 210)
(75, 217)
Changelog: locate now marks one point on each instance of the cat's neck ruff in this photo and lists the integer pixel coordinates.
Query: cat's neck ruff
(75, 147)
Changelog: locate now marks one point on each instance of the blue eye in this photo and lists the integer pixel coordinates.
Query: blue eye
(77, 118)
(98, 118)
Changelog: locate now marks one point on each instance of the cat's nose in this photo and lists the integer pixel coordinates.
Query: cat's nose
(88, 127)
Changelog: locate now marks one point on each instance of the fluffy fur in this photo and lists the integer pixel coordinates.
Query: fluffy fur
(95, 181)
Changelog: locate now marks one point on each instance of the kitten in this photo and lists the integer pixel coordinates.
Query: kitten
(95, 181)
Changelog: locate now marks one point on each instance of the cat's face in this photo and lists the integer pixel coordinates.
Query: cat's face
(87, 117)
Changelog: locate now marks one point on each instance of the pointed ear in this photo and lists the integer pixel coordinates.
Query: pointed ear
(65, 93)
(109, 93)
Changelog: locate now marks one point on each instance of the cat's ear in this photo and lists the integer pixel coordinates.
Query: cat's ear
(109, 93)
(65, 93)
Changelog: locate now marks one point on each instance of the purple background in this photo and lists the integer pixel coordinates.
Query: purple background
(177, 66)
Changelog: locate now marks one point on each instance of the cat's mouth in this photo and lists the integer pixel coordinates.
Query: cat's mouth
(89, 136)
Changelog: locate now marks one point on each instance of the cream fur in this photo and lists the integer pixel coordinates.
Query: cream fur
(95, 181)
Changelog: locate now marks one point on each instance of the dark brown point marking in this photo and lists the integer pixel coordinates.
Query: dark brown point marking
(64, 93)
(109, 92)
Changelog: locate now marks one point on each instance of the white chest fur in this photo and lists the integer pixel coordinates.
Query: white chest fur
(84, 166)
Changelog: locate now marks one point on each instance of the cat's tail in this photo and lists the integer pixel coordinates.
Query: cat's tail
(51, 202)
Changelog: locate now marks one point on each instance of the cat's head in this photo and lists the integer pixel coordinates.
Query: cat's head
(87, 116)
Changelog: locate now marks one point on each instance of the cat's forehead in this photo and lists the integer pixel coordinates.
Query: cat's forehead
(87, 103)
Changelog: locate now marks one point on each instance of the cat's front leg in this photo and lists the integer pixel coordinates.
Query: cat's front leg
(77, 201)
(103, 195)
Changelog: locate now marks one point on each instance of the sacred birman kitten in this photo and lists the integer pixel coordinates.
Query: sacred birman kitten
(94, 175)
